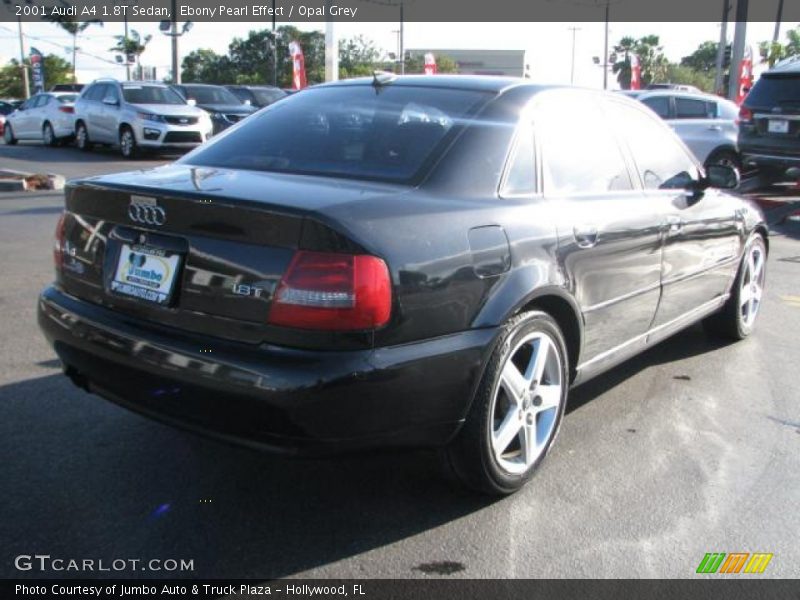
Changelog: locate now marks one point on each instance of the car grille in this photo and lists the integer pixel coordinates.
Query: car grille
(181, 120)
(182, 137)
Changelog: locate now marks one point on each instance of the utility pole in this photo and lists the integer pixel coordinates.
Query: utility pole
(331, 47)
(274, 49)
(778, 19)
(739, 42)
(22, 66)
(176, 69)
(572, 68)
(402, 43)
(723, 44)
(605, 49)
(127, 62)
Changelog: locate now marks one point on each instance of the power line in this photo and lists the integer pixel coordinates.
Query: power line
(64, 48)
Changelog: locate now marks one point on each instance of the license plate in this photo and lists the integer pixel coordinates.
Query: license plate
(778, 126)
(145, 273)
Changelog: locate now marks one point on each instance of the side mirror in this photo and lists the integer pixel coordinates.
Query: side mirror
(191, 102)
(722, 177)
(110, 101)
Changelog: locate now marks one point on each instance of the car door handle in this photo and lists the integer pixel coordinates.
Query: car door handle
(714, 128)
(674, 226)
(585, 236)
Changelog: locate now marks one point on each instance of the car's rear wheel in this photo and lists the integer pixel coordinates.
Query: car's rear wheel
(82, 138)
(48, 135)
(516, 413)
(127, 143)
(726, 158)
(8, 136)
(737, 318)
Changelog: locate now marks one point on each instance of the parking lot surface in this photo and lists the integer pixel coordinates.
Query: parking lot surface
(692, 447)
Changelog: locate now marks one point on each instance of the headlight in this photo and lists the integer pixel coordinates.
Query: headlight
(150, 117)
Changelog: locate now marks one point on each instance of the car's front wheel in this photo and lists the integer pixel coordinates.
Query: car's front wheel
(737, 318)
(127, 143)
(8, 136)
(516, 413)
(725, 158)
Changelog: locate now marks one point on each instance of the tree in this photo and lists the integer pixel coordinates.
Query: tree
(358, 56)
(689, 76)
(415, 64)
(651, 60)
(56, 70)
(75, 28)
(704, 59)
(134, 45)
(206, 66)
(773, 52)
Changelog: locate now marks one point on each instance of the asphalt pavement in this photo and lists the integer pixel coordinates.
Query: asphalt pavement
(692, 447)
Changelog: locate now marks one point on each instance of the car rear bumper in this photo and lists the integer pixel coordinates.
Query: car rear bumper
(762, 159)
(296, 401)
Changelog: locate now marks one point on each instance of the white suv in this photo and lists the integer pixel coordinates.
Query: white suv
(136, 115)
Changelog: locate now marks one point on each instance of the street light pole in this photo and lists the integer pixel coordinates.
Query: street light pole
(274, 49)
(402, 43)
(22, 66)
(572, 67)
(176, 70)
(605, 49)
(723, 43)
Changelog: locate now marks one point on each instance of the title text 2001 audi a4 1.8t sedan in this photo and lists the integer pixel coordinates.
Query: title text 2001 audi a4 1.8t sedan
(401, 261)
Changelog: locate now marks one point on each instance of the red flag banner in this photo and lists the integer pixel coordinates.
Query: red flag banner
(636, 73)
(430, 64)
(298, 66)
(745, 75)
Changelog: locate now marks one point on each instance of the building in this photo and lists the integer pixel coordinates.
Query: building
(509, 63)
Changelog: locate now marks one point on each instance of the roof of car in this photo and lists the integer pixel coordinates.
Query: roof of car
(206, 85)
(681, 93)
(788, 65)
(487, 83)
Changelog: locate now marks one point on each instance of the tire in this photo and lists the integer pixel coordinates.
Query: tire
(487, 455)
(8, 136)
(736, 320)
(82, 138)
(127, 143)
(48, 135)
(727, 158)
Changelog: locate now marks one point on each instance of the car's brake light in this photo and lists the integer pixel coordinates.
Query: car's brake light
(333, 292)
(59, 244)
(67, 109)
(745, 115)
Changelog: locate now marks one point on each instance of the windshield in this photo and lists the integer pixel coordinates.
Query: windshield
(387, 134)
(210, 95)
(775, 91)
(150, 94)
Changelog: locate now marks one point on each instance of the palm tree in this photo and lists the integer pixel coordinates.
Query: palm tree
(75, 28)
(133, 44)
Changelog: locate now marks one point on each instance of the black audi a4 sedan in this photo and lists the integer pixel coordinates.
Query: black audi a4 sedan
(410, 261)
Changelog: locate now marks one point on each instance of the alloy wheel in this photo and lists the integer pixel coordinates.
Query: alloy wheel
(80, 136)
(526, 403)
(126, 143)
(48, 135)
(752, 285)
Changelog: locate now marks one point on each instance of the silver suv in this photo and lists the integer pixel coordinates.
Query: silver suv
(136, 115)
(707, 124)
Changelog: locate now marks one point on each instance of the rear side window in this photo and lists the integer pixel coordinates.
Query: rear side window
(659, 105)
(389, 133)
(96, 92)
(660, 159)
(775, 90)
(580, 152)
(520, 177)
(693, 108)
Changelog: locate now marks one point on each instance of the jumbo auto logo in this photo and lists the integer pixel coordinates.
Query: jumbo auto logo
(734, 563)
(149, 271)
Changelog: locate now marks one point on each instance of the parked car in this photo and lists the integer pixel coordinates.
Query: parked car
(678, 87)
(68, 87)
(225, 108)
(400, 261)
(46, 117)
(769, 131)
(6, 108)
(136, 115)
(257, 96)
(707, 124)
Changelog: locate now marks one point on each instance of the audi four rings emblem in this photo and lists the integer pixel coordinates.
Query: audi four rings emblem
(146, 211)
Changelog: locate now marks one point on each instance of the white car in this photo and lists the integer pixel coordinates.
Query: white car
(48, 117)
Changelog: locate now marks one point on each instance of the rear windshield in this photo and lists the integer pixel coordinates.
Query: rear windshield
(387, 133)
(210, 95)
(267, 97)
(150, 94)
(66, 98)
(776, 90)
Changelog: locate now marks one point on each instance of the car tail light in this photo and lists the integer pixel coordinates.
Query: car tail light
(59, 245)
(67, 109)
(333, 292)
(745, 115)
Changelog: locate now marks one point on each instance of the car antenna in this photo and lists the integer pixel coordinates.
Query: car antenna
(381, 78)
